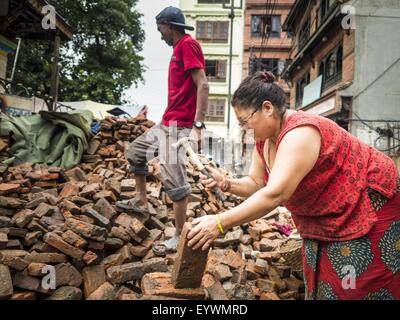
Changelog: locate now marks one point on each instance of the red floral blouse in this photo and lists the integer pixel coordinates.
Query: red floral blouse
(331, 203)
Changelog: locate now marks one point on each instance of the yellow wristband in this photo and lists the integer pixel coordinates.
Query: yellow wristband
(219, 225)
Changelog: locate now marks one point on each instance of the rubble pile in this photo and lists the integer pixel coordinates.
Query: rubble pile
(62, 237)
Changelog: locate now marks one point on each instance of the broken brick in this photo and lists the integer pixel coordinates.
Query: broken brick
(190, 264)
(93, 278)
(160, 284)
(57, 242)
(6, 285)
(135, 270)
(105, 292)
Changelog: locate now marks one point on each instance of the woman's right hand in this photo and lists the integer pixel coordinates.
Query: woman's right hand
(218, 179)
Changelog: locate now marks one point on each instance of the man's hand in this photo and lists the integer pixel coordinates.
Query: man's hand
(198, 135)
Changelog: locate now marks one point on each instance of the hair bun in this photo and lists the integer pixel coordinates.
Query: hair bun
(267, 77)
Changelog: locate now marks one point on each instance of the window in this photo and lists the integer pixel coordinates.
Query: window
(270, 25)
(300, 85)
(212, 31)
(304, 34)
(213, 1)
(216, 70)
(272, 65)
(324, 9)
(216, 110)
(331, 68)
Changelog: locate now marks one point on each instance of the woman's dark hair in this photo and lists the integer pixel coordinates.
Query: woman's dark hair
(256, 89)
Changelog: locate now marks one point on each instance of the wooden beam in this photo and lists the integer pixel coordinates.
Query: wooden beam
(55, 72)
(11, 17)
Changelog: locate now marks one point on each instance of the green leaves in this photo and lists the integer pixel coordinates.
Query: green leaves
(103, 59)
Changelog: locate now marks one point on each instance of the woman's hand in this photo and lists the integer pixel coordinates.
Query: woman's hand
(204, 232)
(218, 179)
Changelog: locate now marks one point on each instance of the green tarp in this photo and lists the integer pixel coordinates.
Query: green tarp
(53, 138)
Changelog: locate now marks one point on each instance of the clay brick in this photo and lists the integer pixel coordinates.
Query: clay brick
(159, 284)
(283, 271)
(87, 230)
(76, 174)
(294, 284)
(22, 218)
(233, 259)
(139, 229)
(121, 233)
(5, 222)
(113, 260)
(267, 245)
(57, 242)
(70, 189)
(71, 207)
(108, 195)
(28, 295)
(261, 266)
(269, 296)
(251, 271)
(26, 282)
(135, 270)
(14, 203)
(128, 185)
(66, 293)
(217, 292)
(90, 258)
(3, 240)
(190, 264)
(90, 190)
(139, 251)
(239, 276)
(103, 207)
(105, 292)
(6, 285)
(6, 188)
(43, 209)
(48, 258)
(221, 272)
(35, 269)
(97, 217)
(93, 278)
(73, 239)
(67, 275)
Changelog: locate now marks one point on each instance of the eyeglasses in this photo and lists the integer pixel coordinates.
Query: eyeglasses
(243, 123)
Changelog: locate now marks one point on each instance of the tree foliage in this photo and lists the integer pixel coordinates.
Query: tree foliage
(100, 62)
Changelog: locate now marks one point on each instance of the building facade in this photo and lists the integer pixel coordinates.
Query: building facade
(212, 30)
(345, 64)
(266, 45)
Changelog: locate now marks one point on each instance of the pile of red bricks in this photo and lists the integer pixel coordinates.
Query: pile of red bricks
(63, 225)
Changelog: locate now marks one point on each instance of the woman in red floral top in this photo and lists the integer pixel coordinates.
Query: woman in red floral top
(344, 195)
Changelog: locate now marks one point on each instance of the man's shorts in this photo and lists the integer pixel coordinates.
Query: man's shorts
(158, 142)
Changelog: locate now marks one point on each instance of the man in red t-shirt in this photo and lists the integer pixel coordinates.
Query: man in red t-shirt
(187, 105)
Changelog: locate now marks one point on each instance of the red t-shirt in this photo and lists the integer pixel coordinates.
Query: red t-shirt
(182, 91)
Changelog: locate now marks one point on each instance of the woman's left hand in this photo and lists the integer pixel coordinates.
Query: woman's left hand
(204, 232)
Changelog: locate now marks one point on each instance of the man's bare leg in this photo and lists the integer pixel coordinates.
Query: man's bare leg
(180, 215)
(141, 189)
(180, 219)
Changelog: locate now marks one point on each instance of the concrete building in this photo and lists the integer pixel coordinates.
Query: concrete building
(345, 65)
(212, 30)
(266, 45)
